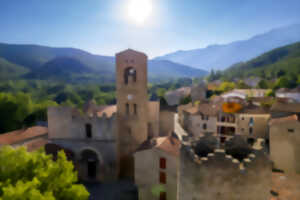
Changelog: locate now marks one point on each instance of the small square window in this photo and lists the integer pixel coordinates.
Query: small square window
(163, 196)
(291, 130)
(162, 163)
(162, 178)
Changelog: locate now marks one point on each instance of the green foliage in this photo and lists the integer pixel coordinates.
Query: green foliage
(186, 100)
(35, 176)
(280, 62)
(226, 86)
(263, 84)
(242, 85)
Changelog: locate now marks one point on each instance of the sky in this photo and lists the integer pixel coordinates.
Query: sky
(104, 26)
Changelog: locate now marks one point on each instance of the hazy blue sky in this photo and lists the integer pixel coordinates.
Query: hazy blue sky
(102, 26)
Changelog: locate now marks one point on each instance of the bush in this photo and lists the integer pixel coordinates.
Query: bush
(35, 176)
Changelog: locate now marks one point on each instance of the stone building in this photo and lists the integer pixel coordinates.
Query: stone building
(137, 118)
(92, 138)
(103, 139)
(285, 143)
(209, 173)
(250, 121)
(156, 166)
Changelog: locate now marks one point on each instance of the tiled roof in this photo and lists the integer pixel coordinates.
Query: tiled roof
(168, 144)
(254, 109)
(18, 136)
(286, 107)
(108, 110)
(36, 144)
(287, 90)
(283, 119)
(205, 108)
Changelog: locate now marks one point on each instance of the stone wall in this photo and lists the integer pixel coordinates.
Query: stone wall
(220, 176)
(147, 170)
(195, 125)
(64, 123)
(260, 126)
(166, 123)
(67, 128)
(285, 146)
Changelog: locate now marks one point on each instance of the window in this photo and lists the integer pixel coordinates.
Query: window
(291, 130)
(162, 178)
(250, 130)
(135, 109)
(163, 196)
(251, 121)
(162, 163)
(88, 130)
(127, 108)
(204, 126)
(130, 72)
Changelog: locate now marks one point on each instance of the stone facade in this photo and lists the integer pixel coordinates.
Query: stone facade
(92, 139)
(220, 176)
(137, 119)
(285, 143)
(156, 169)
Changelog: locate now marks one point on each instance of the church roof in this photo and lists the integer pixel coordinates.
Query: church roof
(108, 110)
(131, 51)
(283, 119)
(167, 144)
(21, 135)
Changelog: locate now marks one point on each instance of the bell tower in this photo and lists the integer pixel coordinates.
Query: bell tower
(132, 107)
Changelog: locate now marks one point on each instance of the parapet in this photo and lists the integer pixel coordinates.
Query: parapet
(228, 157)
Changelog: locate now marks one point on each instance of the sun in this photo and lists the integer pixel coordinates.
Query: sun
(139, 10)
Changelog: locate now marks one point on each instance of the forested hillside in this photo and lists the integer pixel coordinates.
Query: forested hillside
(33, 62)
(280, 61)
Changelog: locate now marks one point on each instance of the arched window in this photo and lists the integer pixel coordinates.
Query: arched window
(88, 130)
(130, 73)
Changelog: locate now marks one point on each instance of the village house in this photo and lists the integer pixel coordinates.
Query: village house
(293, 94)
(245, 93)
(250, 121)
(156, 166)
(285, 143)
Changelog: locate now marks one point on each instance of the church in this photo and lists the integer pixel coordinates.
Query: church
(102, 140)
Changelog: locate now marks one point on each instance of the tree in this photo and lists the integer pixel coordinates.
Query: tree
(226, 86)
(35, 176)
(186, 100)
(262, 84)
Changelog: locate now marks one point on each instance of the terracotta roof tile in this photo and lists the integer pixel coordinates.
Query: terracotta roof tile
(108, 110)
(22, 135)
(168, 144)
(283, 119)
(36, 144)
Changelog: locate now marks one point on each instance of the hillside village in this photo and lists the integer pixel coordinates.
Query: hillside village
(236, 145)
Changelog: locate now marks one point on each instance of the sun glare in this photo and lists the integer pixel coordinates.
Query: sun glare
(139, 10)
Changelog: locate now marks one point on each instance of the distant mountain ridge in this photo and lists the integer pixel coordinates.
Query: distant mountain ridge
(219, 57)
(42, 62)
(280, 61)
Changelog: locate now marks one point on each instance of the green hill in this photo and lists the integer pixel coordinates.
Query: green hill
(73, 65)
(10, 71)
(273, 64)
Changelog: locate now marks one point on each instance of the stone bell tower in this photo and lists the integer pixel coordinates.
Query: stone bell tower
(132, 107)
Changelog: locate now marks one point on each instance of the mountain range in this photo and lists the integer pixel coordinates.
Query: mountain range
(220, 57)
(69, 64)
(278, 62)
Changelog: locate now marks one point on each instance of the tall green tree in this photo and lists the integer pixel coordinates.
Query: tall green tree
(35, 176)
